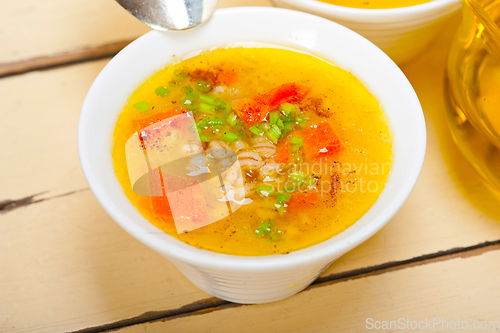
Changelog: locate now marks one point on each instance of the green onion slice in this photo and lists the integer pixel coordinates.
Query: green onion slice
(300, 119)
(274, 134)
(202, 123)
(186, 89)
(297, 176)
(207, 99)
(190, 95)
(274, 117)
(221, 105)
(142, 106)
(207, 108)
(203, 85)
(216, 121)
(290, 188)
(288, 109)
(229, 136)
(162, 91)
(281, 208)
(280, 124)
(181, 73)
(283, 198)
(265, 191)
(256, 130)
(264, 126)
(264, 228)
(204, 138)
(232, 119)
(297, 141)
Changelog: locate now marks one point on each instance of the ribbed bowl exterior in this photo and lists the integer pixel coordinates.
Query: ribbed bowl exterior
(262, 286)
(401, 38)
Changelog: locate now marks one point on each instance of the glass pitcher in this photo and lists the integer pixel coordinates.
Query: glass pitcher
(473, 79)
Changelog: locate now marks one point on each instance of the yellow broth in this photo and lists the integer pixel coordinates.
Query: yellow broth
(375, 4)
(346, 182)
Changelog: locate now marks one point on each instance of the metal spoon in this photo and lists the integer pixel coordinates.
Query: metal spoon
(171, 14)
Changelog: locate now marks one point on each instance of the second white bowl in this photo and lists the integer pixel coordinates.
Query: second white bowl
(402, 33)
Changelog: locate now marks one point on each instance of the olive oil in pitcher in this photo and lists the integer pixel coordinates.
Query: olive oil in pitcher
(473, 77)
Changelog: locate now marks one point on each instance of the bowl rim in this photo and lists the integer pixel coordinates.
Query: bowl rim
(375, 15)
(327, 250)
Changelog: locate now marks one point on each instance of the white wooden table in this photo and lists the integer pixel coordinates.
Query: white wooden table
(66, 266)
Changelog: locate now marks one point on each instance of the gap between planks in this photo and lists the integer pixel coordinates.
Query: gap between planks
(214, 304)
(9, 205)
(63, 59)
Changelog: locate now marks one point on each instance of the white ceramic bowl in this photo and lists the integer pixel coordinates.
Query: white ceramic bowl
(265, 278)
(402, 33)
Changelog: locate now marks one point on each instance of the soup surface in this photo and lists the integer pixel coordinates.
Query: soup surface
(313, 146)
(375, 4)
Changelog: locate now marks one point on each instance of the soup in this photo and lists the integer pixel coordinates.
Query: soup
(312, 146)
(375, 4)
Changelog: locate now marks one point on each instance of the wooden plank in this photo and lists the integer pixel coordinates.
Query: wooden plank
(66, 265)
(46, 62)
(458, 289)
(70, 267)
(37, 34)
(32, 29)
(39, 113)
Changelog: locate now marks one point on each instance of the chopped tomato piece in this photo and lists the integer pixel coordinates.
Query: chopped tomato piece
(186, 199)
(255, 109)
(251, 110)
(189, 204)
(302, 201)
(321, 140)
(139, 124)
(172, 183)
(283, 152)
(286, 93)
(160, 206)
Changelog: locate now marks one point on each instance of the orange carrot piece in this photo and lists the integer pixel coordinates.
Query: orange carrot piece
(321, 140)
